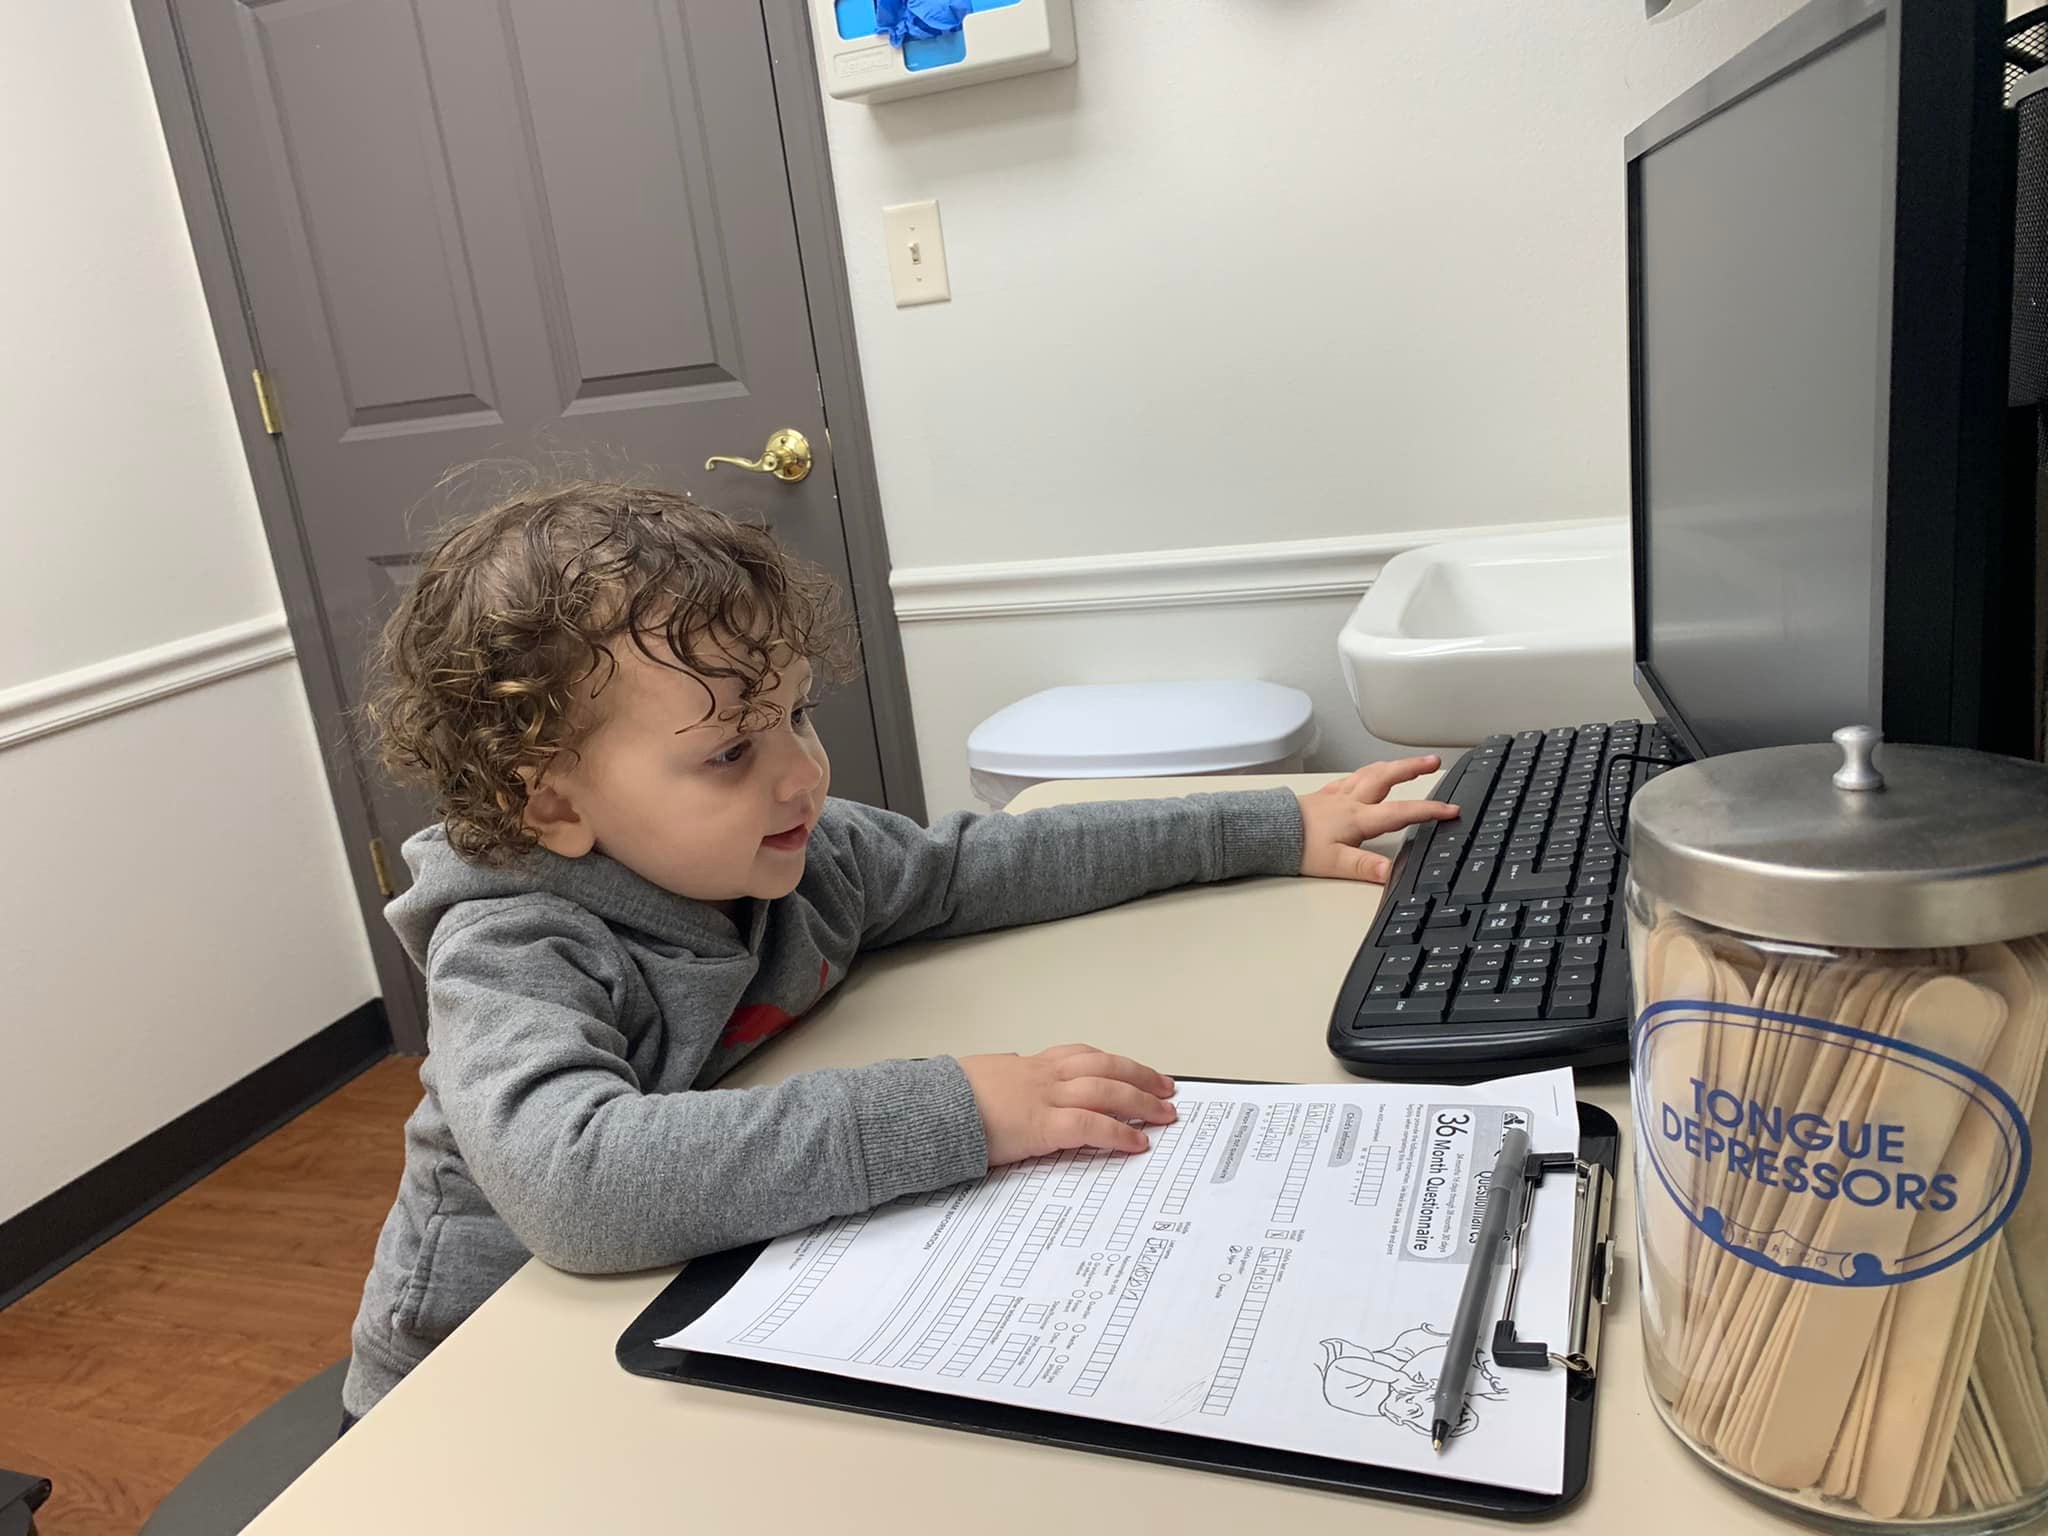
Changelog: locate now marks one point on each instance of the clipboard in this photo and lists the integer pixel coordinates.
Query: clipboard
(705, 1280)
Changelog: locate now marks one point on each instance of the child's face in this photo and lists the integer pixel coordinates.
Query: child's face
(683, 797)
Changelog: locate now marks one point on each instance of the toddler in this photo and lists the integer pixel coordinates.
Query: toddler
(639, 878)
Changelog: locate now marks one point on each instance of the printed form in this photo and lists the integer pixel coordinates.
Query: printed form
(1281, 1268)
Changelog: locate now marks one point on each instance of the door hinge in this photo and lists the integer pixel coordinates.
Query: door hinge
(383, 869)
(266, 403)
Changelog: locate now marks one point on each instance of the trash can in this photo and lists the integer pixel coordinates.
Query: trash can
(1138, 731)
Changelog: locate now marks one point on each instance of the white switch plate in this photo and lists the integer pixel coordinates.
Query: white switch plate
(917, 253)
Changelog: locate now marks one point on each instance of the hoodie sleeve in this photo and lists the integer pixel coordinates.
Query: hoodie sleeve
(594, 1175)
(970, 873)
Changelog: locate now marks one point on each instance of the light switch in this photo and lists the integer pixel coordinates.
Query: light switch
(917, 253)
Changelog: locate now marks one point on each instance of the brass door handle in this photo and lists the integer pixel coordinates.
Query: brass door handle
(787, 457)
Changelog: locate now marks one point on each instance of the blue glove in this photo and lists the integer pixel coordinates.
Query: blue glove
(902, 20)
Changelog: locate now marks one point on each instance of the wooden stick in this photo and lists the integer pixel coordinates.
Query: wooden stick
(1760, 1203)
(1924, 1374)
(1733, 1285)
(1839, 1092)
(1938, 1449)
(1707, 1365)
(1819, 1372)
(1846, 1459)
(2008, 1345)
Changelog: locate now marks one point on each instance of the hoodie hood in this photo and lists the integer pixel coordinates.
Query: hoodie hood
(443, 879)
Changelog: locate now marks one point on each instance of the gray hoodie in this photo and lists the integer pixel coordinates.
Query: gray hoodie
(579, 1016)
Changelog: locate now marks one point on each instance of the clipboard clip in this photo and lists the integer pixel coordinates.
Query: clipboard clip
(1592, 1279)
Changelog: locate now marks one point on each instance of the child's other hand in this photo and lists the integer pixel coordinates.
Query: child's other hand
(1068, 1096)
(1340, 816)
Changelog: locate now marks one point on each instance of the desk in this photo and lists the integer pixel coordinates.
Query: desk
(522, 1421)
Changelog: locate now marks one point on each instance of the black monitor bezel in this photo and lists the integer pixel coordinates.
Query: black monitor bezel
(1939, 483)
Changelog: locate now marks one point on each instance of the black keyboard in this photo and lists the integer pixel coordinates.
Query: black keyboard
(1500, 943)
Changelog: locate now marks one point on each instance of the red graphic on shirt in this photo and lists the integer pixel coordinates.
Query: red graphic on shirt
(761, 1021)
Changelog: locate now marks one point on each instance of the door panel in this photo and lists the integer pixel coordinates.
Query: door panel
(471, 230)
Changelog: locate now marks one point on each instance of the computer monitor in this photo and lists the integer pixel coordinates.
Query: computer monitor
(1820, 266)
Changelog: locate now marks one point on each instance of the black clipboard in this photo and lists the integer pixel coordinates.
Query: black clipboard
(702, 1282)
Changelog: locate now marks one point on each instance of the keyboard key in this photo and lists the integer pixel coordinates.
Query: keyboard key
(1449, 915)
(1492, 947)
(1427, 985)
(1582, 949)
(1527, 981)
(1499, 925)
(1469, 795)
(1586, 920)
(1578, 976)
(1541, 924)
(1479, 963)
(1394, 988)
(1520, 878)
(1591, 880)
(1474, 878)
(1397, 932)
(1534, 952)
(1436, 876)
(1398, 962)
(1571, 1003)
(1477, 983)
(1391, 1010)
(1481, 1006)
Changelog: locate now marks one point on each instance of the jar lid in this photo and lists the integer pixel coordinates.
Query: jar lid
(1911, 847)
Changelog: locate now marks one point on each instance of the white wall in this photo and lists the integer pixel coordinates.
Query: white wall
(1253, 271)
(176, 910)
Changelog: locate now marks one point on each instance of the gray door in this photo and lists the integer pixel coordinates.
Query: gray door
(473, 229)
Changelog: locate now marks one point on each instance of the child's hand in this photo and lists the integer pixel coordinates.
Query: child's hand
(1068, 1096)
(1340, 816)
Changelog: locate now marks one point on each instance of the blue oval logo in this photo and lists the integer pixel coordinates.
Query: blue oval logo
(1897, 1185)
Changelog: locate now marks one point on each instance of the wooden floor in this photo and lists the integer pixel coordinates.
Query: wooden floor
(119, 1374)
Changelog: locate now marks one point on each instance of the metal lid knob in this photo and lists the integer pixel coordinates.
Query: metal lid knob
(1859, 745)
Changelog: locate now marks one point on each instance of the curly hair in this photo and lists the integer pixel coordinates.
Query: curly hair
(485, 675)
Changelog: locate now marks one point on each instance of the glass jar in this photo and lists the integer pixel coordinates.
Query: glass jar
(1841, 1019)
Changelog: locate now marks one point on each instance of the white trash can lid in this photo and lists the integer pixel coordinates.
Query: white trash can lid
(1139, 730)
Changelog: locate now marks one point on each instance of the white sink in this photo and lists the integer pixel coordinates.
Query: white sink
(1468, 638)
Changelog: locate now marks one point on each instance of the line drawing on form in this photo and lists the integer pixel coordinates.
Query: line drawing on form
(1397, 1383)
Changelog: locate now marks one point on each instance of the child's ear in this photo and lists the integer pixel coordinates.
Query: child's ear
(552, 816)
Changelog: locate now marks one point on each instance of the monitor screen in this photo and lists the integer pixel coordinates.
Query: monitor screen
(1761, 290)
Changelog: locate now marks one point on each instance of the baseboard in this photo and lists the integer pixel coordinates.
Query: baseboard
(69, 1223)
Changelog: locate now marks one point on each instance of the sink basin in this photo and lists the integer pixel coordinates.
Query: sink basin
(1465, 639)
